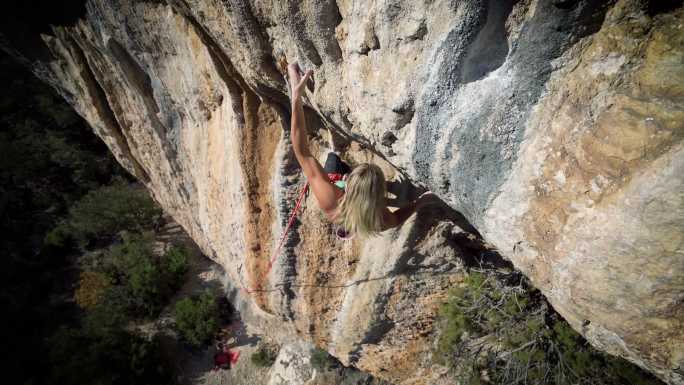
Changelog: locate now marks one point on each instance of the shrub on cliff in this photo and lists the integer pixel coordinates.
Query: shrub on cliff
(495, 328)
(321, 359)
(197, 318)
(265, 356)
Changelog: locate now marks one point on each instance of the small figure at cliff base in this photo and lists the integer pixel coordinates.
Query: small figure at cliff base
(225, 358)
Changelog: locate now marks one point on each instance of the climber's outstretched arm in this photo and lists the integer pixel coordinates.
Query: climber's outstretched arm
(398, 217)
(322, 189)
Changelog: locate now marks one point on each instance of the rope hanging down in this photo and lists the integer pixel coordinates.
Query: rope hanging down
(276, 252)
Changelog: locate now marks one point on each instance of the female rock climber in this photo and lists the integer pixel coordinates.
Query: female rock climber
(360, 206)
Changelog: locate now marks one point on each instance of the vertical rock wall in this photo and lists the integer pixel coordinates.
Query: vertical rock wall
(554, 127)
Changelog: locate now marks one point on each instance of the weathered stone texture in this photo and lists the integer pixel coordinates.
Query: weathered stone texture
(554, 127)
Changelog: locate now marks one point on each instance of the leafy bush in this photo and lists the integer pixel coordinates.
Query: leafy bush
(197, 318)
(132, 264)
(454, 321)
(111, 209)
(175, 263)
(527, 342)
(321, 360)
(145, 282)
(264, 357)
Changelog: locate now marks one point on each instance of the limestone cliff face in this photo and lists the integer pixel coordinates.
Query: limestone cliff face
(554, 127)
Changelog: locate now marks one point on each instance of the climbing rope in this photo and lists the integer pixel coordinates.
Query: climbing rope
(300, 199)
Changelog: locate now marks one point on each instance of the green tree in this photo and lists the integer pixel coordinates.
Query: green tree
(175, 265)
(197, 318)
(146, 280)
(111, 209)
(265, 356)
(132, 265)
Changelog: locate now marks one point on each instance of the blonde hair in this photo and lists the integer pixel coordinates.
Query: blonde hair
(363, 204)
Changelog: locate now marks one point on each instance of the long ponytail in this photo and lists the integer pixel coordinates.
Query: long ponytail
(362, 208)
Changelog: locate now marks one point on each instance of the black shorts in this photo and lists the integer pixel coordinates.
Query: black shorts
(335, 165)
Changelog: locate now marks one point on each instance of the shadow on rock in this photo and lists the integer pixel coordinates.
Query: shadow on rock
(237, 334)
